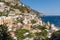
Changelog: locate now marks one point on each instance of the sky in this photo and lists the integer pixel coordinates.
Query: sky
(47, 7)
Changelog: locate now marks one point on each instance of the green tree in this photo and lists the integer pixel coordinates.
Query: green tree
(4, 34)
(55, 35)
(33, 21)
(19, 20)
(20, 34)
(41, 27)
(42, 34)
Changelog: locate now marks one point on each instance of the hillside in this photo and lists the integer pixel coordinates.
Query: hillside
(21, 22)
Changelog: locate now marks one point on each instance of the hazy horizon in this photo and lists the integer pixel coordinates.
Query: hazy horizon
(48, 7)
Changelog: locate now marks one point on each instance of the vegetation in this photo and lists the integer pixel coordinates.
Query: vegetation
(4, 34)
(20, 34)
(21, 21)
(21, 8)
(39, 27)
(41, 34)
(7, 3)
(33, 21)
(55, 35)
(3, 14)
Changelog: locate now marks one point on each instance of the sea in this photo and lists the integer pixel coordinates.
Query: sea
(52, 19)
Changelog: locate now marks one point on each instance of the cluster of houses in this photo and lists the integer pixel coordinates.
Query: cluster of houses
(12, 25)
(51, 28)
(14, 21)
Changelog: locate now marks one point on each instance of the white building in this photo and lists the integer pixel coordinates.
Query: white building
(3, 17)
(54, 28)
(25, 21)
(11, 14)
(1, 4)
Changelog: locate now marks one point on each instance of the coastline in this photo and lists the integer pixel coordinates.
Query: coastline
(52, 20)
(23, 23)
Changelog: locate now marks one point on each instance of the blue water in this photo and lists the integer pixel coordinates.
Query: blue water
(52, 19)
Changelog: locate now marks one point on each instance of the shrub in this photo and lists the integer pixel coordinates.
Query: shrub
(33, 21)
(4, 34)
(41, 27)
(20, 32)
(55, 35)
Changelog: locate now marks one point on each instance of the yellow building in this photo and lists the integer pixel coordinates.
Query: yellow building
(7, 0)
(1, 21)
(8, 20)
(27, 26)
(17, 11)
